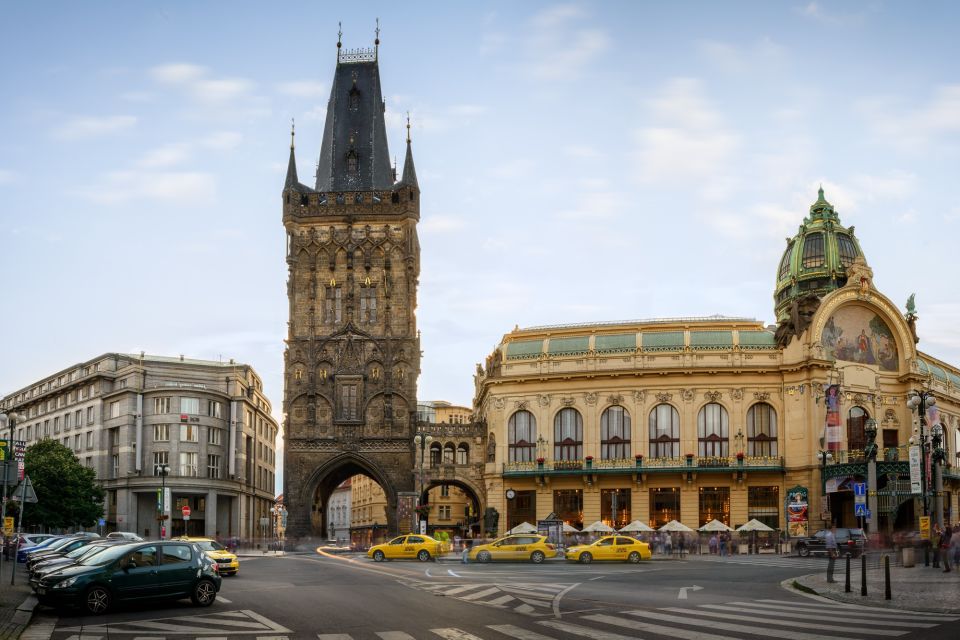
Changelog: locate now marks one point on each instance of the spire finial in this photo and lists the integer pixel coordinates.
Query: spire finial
(376, 42)
(293, 127)
(408, 127)
(339, 37)
(820, 192)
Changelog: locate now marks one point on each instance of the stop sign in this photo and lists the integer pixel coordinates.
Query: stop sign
(186, 511)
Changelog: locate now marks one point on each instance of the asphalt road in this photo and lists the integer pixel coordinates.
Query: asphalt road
(353, 598)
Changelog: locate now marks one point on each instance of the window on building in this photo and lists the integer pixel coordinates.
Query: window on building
(353, 162)
(89, 415)
(77, 443)
(347, 401)
(761, 430)
(615, 433)
(115, 409)
(436, 454)
(188, 464)
(813, 255)
(664, 432)
(78, 417)
(213, 436)
(29, 432)
(664, 506)
(712, 430)
(332, 305)
(190, 406)
(88, 462)
(214, 409)
(66, 422)
(115, 465)
(448, 453)
(856, 437)
(89, 439)
(714, 505)
(161, 433)
(568, 435)
(46, 429)
(213, 466)
(444, 491)
(763, 504)
(189, 432)
(521, 436)
(56, 425)
(444, 512)
(463, 453)
(615, 507)
(568, 505)
(846, 249)
(368, 305)
(160, 458)
(161, 405)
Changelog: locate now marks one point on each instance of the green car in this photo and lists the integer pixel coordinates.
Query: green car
(135, 571)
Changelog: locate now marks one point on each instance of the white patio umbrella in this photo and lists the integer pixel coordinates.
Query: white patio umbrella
(523, 527)
(673, 525)
(569, 528)
(635, 527)
(754, 525)
(598, 527)
(713, 526)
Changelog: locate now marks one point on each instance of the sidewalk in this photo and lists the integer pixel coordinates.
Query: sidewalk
(16, 603)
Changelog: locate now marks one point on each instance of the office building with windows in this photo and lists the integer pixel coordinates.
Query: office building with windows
(202, 430)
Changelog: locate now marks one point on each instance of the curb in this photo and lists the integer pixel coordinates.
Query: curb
(828, 598)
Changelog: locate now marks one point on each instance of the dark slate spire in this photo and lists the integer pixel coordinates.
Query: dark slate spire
(354, 154)
(409, 171)
(292, 180)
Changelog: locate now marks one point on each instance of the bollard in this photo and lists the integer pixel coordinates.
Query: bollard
(846, 586)
(926, 554)
(886, 577)
(863, 575)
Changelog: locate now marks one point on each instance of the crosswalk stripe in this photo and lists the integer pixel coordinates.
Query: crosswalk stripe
(656, 628)
(502, 600)
(480, 594)
(454, 634)
(588, 632)
(334, 636)
(790, 623)
(749, 607)
(766, 632)
(518, 632)
(839, 607)
(222, 599)
(456, 590)
(394, 635)
(197, 638)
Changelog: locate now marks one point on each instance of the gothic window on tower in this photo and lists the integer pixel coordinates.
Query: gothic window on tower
(348, 394)
(333, 308)
(368, 305)
(354, 100)
(352, 162)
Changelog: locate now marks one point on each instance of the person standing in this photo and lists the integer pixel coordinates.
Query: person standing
(944, 549)
(955, 545)
(830, 540)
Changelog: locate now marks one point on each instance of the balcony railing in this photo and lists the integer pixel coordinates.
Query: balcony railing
(644, 465)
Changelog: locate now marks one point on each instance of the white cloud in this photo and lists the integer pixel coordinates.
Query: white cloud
(441, 224)
(559, 47)
(593, 206)
(93, 126)
(303, 89)
(814, 11)
(166, 156)
(740, 58)
(915, 126)
(118, 187)
(222, 95)
(178, 73)
(222, 140)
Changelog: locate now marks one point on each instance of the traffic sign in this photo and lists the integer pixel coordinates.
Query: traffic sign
(860, 509)
(101, 522)
(860, 488)
(185, 510)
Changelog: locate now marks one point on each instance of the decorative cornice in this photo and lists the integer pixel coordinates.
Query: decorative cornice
(664, 397)
(360, 446)
(712, 396)
(761, 396)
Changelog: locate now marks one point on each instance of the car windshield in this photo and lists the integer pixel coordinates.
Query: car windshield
(210, 545)
(81, 551)
(108, 555)
(92, 552)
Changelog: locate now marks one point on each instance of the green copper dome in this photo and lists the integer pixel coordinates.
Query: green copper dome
(816, 259)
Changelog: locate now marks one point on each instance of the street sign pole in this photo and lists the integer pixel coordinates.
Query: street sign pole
(23, 506)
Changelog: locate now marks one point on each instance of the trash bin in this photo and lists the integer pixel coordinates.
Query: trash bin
(908, 557)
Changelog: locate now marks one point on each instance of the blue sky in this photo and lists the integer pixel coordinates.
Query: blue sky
(582, 161)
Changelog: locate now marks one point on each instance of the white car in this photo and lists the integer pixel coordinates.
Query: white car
(124, 535)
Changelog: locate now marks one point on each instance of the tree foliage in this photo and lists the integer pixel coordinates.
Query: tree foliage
(67, 492)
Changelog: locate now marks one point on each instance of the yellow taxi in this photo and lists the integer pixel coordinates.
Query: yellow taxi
(227, 563)
(622, 548)
(520, 546)
(412, 545)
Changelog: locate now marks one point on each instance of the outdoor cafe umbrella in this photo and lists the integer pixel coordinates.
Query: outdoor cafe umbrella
(714, 526)
(569, 528)
(523, 527)
(673, 525)
(598, 527)
(635, 527)
(754, 525)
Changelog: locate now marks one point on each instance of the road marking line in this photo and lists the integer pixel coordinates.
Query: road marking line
(450, 571)
(788, 623)
(518, 632)
(502, 600)
(766, 632)
(745, 607)
(873, 610)
(524, 608)
(222, 599)
(481, 594)
(588, 632)
(464, 588)
(268, 622)
(334, 636)
(455, 634)
(394, 635)
(197, 638)
(656, 628)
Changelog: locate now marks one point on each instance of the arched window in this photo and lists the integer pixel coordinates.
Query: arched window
(448, 453)
(463, 453)
(352, 162)
(856, 438)
(712, 426)
(761, 430)
(615, 433)
(436, 454)
(664, 432)
(813, 255)
(568, 435)
(521, 436)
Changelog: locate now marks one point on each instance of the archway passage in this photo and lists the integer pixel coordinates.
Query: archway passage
(455, 507)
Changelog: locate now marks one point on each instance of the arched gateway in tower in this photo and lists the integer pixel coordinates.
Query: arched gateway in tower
(353, 353)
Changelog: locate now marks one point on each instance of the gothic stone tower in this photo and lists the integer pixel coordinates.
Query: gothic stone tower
(353, 352)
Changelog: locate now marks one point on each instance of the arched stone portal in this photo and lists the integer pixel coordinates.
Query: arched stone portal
(475, 496)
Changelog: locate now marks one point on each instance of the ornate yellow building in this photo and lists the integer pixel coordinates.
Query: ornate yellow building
(701, 418)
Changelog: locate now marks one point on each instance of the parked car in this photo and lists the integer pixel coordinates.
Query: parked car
(422, 547)
(227, 562)
(124, 535)
(852, 541)
(616, 548)
(58, 551)
(525, 546)
(44, 548)
(23, 551)
(136, 571)
(57, 562)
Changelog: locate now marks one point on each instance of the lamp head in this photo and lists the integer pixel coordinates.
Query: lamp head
(416, 439)
(870, 427)
(428, 439)
(913, 400)
(937, 430)
(931, 401)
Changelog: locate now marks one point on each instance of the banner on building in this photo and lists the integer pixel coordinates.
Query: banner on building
(832, 432)
(915, 485)
(797, 512)
(20, 454)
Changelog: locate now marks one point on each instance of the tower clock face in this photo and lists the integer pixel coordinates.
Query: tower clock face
(511, 494)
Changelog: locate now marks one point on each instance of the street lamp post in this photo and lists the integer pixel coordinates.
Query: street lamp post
(824, 457)
(11, 419)
(422, 440)
(164, 471)
(921, 401)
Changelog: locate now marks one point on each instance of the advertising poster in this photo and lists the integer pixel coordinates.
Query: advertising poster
(797, 512)
(832, 432)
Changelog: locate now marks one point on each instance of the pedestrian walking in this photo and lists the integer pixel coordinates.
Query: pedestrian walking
(723, 545)
(830, 540)
(955, 545)
(681, 544)
(667, 544)
(944, 549)
(713, 544)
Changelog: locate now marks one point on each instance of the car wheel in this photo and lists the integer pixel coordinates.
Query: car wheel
(378, 556)
(97, 600)
(634, 557)
(586, 558)
(423, 556)
(204, 593)
(483, 556)
(537, 557)
(803, 551)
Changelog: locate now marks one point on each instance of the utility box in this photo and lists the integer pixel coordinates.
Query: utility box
(908, 557)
